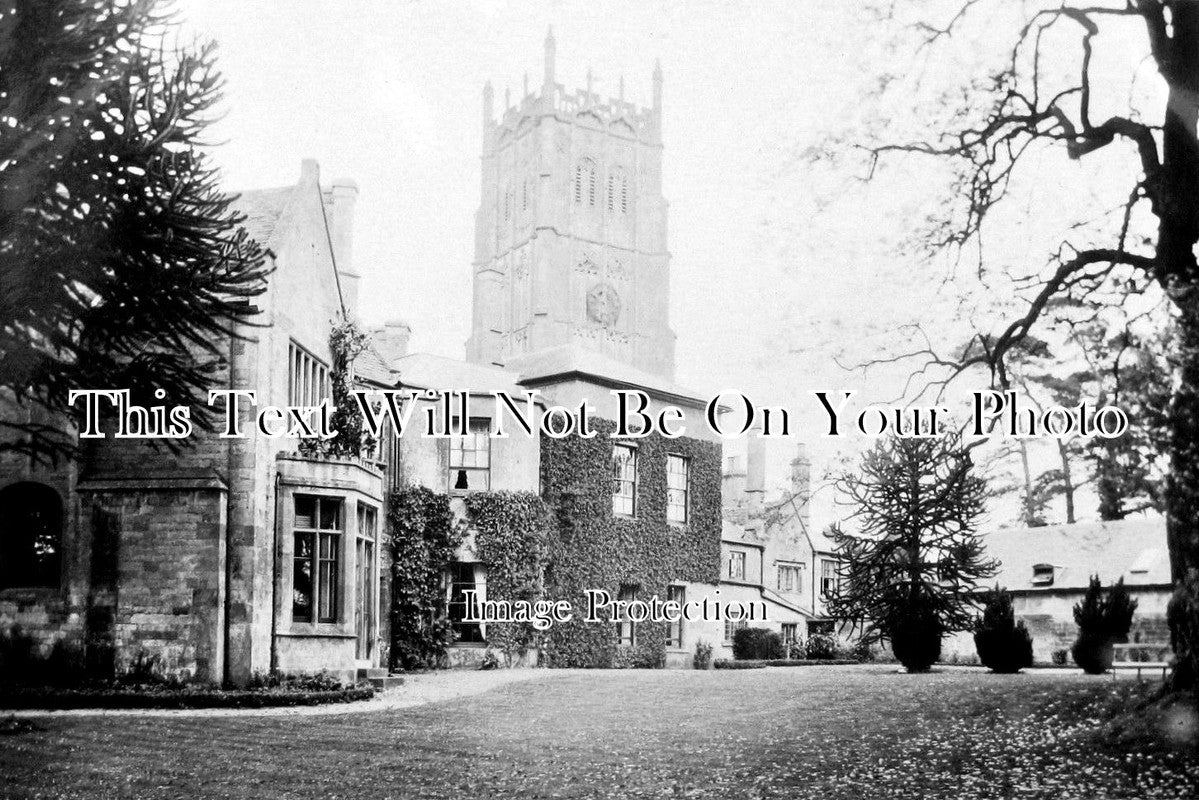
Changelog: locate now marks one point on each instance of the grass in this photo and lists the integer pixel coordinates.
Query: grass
(822, 732)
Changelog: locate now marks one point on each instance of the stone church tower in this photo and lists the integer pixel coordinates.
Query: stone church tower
(570, 244)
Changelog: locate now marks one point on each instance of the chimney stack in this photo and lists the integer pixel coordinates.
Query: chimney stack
(801, 486)
(340, 200)
(755, 470)
(392, 340)
(732, 488)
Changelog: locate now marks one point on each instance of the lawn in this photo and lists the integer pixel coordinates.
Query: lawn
(820, 732)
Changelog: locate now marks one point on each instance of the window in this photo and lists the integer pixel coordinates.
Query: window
(736, 565)
(618, 191)
(316, 559)
(731, 627)
(624, 474)
(585, 182)
(790, 577)
(308, 378)
(626, 629)
(821, 627)
(1042, 575)
(678, 475)
(30, 536)
(462, 580)
(674, 630)
(470, 457)
(828, 577)
(789, 633)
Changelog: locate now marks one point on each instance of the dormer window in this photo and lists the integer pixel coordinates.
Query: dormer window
(1042, 575)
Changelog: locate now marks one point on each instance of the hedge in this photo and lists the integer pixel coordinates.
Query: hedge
(728, 663)
(13, 698)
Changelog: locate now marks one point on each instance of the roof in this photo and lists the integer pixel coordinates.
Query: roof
(571, 360)
(263, 209)
(427, 371)
(371, 366)
(1132, 549)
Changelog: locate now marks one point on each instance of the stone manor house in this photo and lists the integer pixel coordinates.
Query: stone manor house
(239, 556)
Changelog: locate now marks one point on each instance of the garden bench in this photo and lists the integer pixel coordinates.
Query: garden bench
(1142, 656)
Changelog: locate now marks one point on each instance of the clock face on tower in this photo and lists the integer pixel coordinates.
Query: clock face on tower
(603, 304)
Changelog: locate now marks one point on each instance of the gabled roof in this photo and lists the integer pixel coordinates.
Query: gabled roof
(1132, 549)
(372, 367)
(570, 360)
(263, 209)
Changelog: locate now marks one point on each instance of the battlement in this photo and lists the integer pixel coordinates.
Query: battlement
(584, 105)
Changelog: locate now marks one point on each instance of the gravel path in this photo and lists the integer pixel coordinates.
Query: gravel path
(417, 690)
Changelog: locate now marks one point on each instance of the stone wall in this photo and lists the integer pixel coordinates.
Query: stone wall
(166, 606)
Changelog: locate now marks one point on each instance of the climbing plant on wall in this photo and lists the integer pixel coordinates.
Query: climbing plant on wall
(592, 548)
(423, 540)
(346, 343)
(511, 533)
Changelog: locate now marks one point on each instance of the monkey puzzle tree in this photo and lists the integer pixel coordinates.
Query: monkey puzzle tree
(908, 576)
(122, 263)
(1056, 91)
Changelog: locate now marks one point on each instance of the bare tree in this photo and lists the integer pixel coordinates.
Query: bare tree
(1029, 107)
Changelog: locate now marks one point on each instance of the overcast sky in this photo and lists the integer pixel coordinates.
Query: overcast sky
(763, 292)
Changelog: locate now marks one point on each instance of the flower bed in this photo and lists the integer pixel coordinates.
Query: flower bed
(728, 663)
(40, 697)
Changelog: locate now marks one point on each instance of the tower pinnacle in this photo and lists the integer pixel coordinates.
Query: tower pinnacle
(551, 49)
(657, 84)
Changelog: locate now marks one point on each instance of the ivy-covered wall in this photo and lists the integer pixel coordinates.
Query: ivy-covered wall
(511, 532)
(592, 548)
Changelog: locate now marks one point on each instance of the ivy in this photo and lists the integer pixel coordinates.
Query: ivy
(591, 548)
(423, 541)
(557, 546)
(346, 342)
(511, 533)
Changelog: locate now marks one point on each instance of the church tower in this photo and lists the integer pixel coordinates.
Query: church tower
(570, 242)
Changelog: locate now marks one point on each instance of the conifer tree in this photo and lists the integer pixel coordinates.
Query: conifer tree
(122, 262)
(909, 575)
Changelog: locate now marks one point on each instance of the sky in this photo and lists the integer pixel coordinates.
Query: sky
(770, 292)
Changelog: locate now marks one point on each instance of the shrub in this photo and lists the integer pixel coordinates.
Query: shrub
(796, 651)
(1120, 608)
(820, 646)
(862, 650)
(1003, 644)
(915, 638)
(727, 663)
(323, 681)
(1060, 657)
(18, 656)
(1103, 618)
(757, 644)
(703, 655)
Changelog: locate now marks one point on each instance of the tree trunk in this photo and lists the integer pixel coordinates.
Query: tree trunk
(1182, 504)
(1029, 512)
(1177, 207)
(1067, 480)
